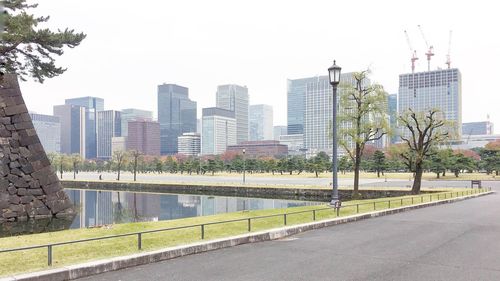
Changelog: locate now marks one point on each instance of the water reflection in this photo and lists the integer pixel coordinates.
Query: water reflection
(96, 208)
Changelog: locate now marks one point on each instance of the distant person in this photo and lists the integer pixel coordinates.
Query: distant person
(100, 177)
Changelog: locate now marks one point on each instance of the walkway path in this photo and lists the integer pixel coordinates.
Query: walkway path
(456, 241)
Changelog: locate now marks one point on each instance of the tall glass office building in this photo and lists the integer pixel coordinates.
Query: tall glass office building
(440, 89)
(261, 122)
(318, 107)
(235, 98)
(92, 105)
(133, 114)
(108, 126)
(219, 129)
(48, 129)
(73, 128)
(392, 105)
(176, 115)
(296, 95)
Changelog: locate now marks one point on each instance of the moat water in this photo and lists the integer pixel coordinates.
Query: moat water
(97, 208)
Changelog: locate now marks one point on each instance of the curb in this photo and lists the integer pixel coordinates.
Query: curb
(96, 267)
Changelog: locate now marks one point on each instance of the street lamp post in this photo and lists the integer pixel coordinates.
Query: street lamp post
(334, 75)
(244, 166)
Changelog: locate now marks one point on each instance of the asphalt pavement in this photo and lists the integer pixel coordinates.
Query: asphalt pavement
(456, 241)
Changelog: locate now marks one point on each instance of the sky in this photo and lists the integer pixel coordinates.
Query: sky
(132, 46)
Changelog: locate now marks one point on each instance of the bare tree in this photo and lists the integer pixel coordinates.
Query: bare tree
(75, 160)
(425, 131)
(362, 118)
(119, 158)
(135, 154)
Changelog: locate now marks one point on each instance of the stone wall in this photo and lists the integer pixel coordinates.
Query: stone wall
(310, 194)
(29, 188)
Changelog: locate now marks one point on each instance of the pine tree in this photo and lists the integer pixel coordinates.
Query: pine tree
(27, 50)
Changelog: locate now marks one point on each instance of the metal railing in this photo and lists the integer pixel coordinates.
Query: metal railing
(249, 220)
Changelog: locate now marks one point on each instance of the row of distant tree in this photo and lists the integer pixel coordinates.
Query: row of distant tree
(394, 159)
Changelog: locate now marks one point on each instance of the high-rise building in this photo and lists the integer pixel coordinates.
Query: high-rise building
(296, 95)
(92, 105)
(189, 144)
(176, 115)
(318, 113)
(144, 136)
(48, 129)
(108, 126)
(279, 131)
(295, 143)
(261, 122)
(392, 106)
(131, 114)
(235, 98)
(219, 130)
(438, 89)
(477, 128)
(72, 118)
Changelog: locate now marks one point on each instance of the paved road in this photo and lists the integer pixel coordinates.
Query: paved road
(449, 242)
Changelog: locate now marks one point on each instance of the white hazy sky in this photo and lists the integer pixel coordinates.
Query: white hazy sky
(132, 46)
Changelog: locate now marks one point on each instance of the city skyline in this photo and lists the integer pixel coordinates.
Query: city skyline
(107, 60)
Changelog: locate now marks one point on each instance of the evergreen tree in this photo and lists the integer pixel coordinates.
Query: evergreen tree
(26, 49)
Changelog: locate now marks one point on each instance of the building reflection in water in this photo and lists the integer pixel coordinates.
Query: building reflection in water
(97, 208)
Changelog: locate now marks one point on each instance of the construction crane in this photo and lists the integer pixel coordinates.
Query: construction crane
(413, 59)
(414, 53)
(430, 49)
(448, 60)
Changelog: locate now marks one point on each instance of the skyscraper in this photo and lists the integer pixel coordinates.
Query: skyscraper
(144, 136)
(261, 122)
(235, 98)
(48, 129)
(176, 115)
(318, 113)
(279, 131)
(108, 126)
(72, 118)
(92, 105)
(218, 130)
(131, 114)
(296, 95)
(392, 105)
(439, 89)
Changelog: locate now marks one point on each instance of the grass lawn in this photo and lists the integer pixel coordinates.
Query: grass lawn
(33, 260)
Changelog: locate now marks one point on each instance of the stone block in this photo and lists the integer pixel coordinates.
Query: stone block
(4, 183)
(17, 208)
(27, 169)
(34, 184)
(14, 164)
(25, 152)
(23, 125)
(17, 172)
(10, 127)
(4, 204)
(26, 199)
(37, 148)
(51, 188)
(14, 143)
(9, 214)
(21, 183)
(16, 109)
(29, 140)
(14, 199)
(12, 178)
(12, 190)
(4, 133)
(44, 172)
(22, 191)
(35, 191)
(5, 120)
(14, 157)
